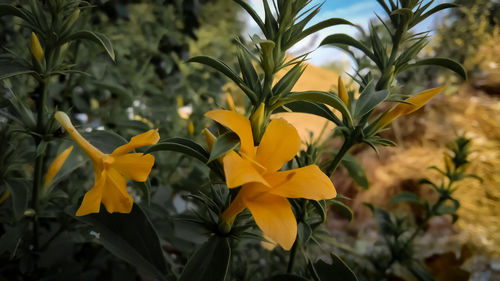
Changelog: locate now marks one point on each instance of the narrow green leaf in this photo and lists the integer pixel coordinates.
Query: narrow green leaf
(433, 11)
(19, 191)
(9, 10)
(311, 108)
(286, 277)
(182, 145)
(288, 81)
(355, 170)
(342, 208)
(223, 144)
(405, 197)
(227, 71)
(252, 13)
(443, 62)
(330, 99)
(338, 270)
(106, 141)
(130, 237)
(10, 68)
(95, 37)
(319, 26)
(368, 100)
(344, 39)
(210, 262)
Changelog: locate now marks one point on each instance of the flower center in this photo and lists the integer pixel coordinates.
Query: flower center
(107, 161)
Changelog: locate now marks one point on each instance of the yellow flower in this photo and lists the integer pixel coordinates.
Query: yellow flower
(416, 102)
(265, 189)
(56, 165)
(112, 170)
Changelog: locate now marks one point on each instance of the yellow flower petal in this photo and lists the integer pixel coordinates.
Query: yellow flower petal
(5, 195)
(92, 200)
(94, 153)
(273, 214)
(416, 102)
(115, 196)
(268, 244)
(240, 171)
(280, 144)
(148, 138)
(238, 124)
(56, 165)
(135, 166)
(307, 182)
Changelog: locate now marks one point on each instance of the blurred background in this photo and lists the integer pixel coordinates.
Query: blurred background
(150, 86)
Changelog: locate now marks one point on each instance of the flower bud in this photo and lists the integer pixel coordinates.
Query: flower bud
(36, 48)
(230, 102)
(73, 18)
(257, 120)
(191, 128)
(342, 92)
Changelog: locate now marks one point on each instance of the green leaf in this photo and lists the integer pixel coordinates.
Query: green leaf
(95, 37)
(338, 270)
(330, 99)
(319, 26)
(433, 11)
(311, 108)
(304, 232)
(443, 62)
(286, 277)
(130, 237)
(285, 84)
(182, 145)
(252, 13)
(12, 237)
(368, 100)
(210, 262)
(223, 144)
(227, 71)
(19, 191)
(355, 170)
(344, 39)
(405, 197)
(9, 10)
(11, 67)
(342, 208)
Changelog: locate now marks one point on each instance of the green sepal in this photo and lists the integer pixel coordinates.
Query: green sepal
(223, 144)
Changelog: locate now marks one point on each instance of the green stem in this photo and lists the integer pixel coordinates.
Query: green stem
(39, 160)
(293, 254)
(348, 143)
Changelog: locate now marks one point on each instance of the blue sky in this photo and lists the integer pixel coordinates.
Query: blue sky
(356, 11)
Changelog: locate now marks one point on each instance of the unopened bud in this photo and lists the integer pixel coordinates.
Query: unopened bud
(36, 48)
(230, 102)
(257, 120)
(342, 92)
(191, 128)
(73, 18)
